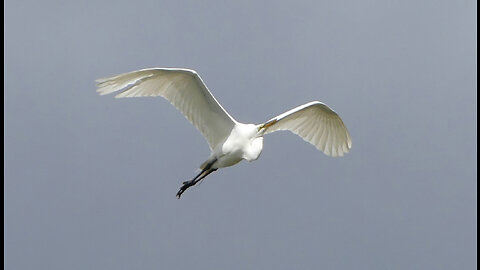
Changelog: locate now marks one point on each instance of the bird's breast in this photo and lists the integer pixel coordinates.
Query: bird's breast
(242, 143)
(254, 149)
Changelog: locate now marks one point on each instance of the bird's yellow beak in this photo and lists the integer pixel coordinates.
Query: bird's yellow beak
(266, 125)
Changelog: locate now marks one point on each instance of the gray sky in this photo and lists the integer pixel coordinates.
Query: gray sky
(90, 181)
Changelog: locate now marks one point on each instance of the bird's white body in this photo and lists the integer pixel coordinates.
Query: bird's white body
(244, 142)
(230, 141)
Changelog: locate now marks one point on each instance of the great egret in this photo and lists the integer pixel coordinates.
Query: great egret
(230, 141)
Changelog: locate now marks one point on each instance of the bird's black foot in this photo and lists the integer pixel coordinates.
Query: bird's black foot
(195, 180)
(185, 186)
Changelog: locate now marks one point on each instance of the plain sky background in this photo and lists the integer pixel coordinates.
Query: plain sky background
(90, 181)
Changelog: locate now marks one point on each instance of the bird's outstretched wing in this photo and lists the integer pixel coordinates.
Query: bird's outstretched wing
(317, 124)
(184, 89)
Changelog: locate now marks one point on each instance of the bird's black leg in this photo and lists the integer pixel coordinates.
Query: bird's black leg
(205, 175)
(206, 171)
(192, 182)
(188, 184)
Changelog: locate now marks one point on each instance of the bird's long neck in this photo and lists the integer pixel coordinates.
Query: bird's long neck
(254, 150)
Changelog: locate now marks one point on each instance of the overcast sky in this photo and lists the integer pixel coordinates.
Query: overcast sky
(90, 181)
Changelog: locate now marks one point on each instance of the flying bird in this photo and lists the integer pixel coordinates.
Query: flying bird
(230, 141)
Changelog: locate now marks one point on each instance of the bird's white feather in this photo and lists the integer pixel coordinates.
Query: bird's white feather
(184, 89)
(317, 124)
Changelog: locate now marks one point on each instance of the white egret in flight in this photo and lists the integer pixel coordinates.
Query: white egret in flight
(230, 141)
